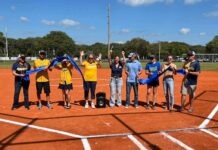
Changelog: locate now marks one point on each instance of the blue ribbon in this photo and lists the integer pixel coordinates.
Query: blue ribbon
(181, 71)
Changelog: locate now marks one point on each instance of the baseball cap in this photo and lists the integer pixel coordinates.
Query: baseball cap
(21, 56)
(42, 52)
(131, 54)
(190, 53)
(151, 56)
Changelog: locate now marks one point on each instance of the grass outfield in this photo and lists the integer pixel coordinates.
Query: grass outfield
(206, 66)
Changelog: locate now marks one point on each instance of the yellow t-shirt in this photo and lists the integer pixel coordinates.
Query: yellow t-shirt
(66, 74)
(168, 73)
(90, 73)
(41, 76)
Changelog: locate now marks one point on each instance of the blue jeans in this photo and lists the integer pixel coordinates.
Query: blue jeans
(129, 85)
(17, 88)
(168, 84)
(115, 89)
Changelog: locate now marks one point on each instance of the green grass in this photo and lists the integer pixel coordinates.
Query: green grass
(205, 66)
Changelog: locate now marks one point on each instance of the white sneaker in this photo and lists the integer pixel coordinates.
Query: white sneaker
(87, 105)
(93, 105)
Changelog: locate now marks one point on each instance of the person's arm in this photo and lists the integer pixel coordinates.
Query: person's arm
(109, 57)
(34, 64)
(127, 70)
(196, 72)
(14, 71)
(123, 56)
(147, 72)
(81, 58)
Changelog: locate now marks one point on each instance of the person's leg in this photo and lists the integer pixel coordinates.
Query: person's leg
(128, 90)
(86, 93)
(112, 91)
(25, 85)
(165, 86)
(67, 92)
(47, 92)
(135, 88)
(171, 93)
(154, 96)
(183, 96)
(192, 89)
(39, 91)
(93, 88)
(17, 87)
(149, 88)
(119, 91)
(64, 98)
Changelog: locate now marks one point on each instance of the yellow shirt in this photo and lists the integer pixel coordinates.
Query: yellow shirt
(66, 74)
(41, 76)
(168, 73)
(90, 73)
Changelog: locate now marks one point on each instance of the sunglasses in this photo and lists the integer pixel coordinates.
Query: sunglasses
(91, 58)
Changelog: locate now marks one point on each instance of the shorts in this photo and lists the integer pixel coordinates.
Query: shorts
(66, 86)
(154, 83)
(188, 89)
(45, 85)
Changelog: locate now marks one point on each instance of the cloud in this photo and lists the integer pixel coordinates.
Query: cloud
(48, 22)
(13, 8)
(124, 31)
(92, 28)
(212, 14)
(24, 19)
(69, 23)
(136, 3)
(184, 31)
(192, 2)
(202, 34)
(1, 18)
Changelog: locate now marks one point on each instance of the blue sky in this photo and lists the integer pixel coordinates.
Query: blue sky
(190, 21)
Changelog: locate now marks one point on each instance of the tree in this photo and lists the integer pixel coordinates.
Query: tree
(58, 41)
(212, 46)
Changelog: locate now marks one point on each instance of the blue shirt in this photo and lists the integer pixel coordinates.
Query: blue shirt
(153, 67)
(133, 68)
(194, 67)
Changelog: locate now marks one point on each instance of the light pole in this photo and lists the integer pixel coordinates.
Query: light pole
(108, 47)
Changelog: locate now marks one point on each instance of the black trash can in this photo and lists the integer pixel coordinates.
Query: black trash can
(101, 100)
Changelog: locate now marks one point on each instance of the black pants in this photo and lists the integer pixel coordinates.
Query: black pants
(90, 86)
(18, 85)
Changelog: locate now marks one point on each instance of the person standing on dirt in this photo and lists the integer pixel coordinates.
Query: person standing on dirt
(152, 68)
(133, 70)
(42, 79)
(168, 82)
(19, 69)
(189, 84)
(90, 76)
(116, 81)
(65, 81)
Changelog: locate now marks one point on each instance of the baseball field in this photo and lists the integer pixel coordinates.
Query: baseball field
(108, 128)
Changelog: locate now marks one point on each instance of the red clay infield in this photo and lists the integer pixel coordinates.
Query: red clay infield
(107, 128)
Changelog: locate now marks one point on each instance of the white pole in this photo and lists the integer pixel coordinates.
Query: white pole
(159, 50)
(108, 47)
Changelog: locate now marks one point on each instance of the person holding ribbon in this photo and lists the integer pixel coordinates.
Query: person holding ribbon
(90, 76)
(152, 69)
(189, 84)
(116, 81)
(19, 69)
(65, 81)
(168, 82)
(42, 78)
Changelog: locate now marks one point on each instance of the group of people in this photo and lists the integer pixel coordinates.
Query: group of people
(131, 67)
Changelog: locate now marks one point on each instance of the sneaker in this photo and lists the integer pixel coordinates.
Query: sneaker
(39, 106)
(92, 105)
(49, 106)
(27, 108)
(127, 106)
(13, 107)
(181, 109)
(147, 106)
(136, 106)
(87, 105)
(190, 110)
(153, 107)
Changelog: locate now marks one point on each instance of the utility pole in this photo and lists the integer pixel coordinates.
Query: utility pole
(108, 47)
(6, 43)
